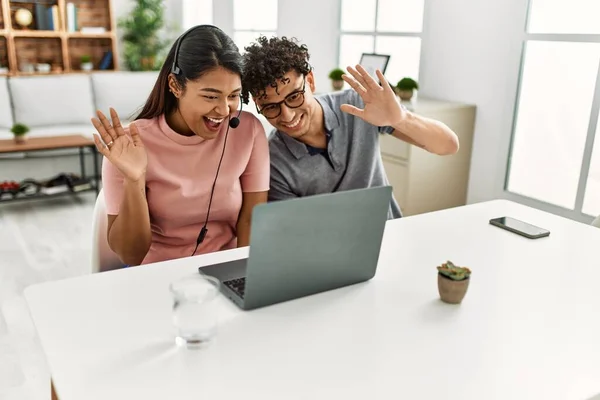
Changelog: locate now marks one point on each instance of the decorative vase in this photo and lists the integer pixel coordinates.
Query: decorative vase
(337, 84)
(87, 66)
(405, 95)
(452, 291)
(20, 139)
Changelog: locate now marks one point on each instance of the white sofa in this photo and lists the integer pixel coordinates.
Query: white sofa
(64, 104)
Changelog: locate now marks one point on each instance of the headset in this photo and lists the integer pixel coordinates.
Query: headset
(233, 123)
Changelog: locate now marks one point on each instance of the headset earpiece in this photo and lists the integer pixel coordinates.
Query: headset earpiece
(175, 68)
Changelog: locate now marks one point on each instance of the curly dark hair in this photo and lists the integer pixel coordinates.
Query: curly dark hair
(266, 61)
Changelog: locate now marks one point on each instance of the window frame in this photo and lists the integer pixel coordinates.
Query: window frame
(255, 32)
(375, 33)
(576, 213)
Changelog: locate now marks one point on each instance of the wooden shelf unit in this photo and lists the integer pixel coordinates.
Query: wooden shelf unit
(61, 48)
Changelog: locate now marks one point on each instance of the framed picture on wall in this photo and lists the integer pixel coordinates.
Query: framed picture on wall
(372, 61)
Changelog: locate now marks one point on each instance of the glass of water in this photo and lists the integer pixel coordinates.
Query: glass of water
(194, 311)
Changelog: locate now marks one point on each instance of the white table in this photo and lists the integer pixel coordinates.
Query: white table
(529, 327)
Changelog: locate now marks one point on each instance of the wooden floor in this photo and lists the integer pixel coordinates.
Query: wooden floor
(39, 241)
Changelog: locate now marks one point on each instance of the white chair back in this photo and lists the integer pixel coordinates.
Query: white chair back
(103, 258)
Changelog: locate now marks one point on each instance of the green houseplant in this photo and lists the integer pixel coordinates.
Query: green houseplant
(337, 83)
(86, 62)
(19, 131)
(405, 88)
(453, 282)
(143, 46)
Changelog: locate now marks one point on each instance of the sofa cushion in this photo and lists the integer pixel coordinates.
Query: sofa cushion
(6, 119)
(52, 100)
(124, 91)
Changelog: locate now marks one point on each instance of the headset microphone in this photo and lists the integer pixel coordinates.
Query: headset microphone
(235, 121)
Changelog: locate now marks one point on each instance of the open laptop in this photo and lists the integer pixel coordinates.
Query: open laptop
(305, 246)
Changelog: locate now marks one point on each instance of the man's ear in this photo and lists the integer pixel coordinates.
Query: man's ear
(310, 79)
(174, 86)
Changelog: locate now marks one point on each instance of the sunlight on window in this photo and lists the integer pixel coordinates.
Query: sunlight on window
(400, 16)
(197, 12)
(255, 15)
(591, 200)
(358, 15)
(352, 47)
(405, 56)
(562, 16)
(552, 121)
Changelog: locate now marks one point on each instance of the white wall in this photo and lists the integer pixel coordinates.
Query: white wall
(223, 15)
(315, 24)
(471, 53)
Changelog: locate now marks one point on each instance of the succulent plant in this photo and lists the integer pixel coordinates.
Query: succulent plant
(451, 271)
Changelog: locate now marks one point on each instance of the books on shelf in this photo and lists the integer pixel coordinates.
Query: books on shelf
(47, 18)
(71, 17)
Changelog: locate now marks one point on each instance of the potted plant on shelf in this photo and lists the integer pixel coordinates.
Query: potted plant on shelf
(405, 88)
(144, 30)
(19, 130)
(453, 282)
(86, 63)
(337, 83)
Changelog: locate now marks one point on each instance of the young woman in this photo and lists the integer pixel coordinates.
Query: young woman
(183, 178)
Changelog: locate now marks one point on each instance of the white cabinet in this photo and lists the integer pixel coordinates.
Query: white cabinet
(424, 182)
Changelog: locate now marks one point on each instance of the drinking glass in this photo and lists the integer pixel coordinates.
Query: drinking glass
(194, 311)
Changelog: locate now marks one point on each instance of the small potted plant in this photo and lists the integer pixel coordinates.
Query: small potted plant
(86, 63)
(405, 88)
(337, 83)
(453, 282)
(19, 130)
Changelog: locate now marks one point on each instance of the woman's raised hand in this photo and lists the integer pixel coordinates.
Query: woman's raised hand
(126, 153)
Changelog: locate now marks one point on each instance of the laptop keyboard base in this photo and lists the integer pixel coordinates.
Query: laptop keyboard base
(237, 285)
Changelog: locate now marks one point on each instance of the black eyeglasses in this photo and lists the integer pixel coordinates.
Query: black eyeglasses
(292, 100)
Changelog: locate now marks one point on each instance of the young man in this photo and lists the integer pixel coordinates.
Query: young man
(329, 142)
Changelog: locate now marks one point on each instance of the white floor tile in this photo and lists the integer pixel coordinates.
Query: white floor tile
(39, 241)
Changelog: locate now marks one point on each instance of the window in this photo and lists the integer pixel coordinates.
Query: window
(391, 27)
(553, 159)
(197, 12)
(252, 19)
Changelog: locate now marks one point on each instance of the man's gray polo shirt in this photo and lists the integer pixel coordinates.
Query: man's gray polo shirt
(352, 159)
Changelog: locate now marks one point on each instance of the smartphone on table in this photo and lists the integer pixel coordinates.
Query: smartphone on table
(520, 227)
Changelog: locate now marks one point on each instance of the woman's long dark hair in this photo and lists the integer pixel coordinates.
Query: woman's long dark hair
(202, 48)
